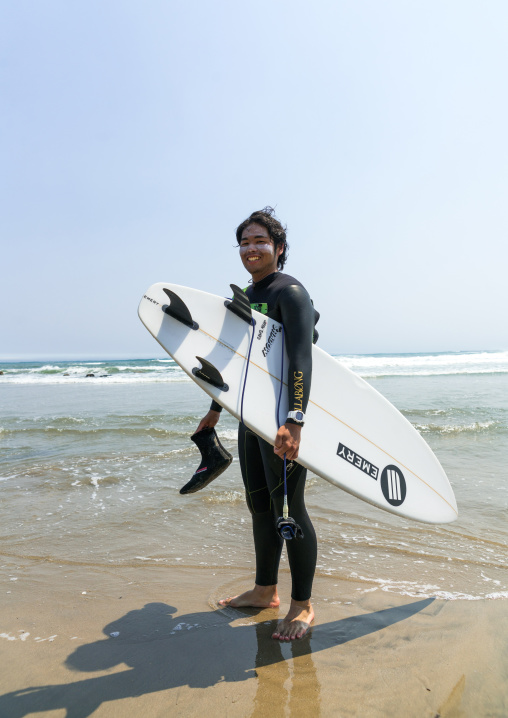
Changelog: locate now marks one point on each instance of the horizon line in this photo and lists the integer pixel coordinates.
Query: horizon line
(27, 359)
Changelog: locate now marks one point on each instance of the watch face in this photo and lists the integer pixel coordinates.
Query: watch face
(299, 415)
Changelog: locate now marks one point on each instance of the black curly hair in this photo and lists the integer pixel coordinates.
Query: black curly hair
(267, 219)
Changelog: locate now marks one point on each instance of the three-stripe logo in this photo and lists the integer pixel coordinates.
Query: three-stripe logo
(393, 485)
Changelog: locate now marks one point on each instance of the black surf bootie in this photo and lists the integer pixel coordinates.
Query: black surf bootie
(214, 460)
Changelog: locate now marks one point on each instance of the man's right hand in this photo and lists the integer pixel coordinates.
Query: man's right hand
(209, 421)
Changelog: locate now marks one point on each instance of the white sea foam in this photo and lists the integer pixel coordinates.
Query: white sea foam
(228, 434)
(413, 589)
(60, 379)
(475, 427)
(427, 364)
(165, 370)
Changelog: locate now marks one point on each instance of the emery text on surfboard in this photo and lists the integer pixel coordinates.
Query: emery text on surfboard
(145, 296)
(366, 466)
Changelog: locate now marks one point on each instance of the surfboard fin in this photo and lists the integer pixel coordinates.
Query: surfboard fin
(240, 304)
(178, 310)
(210, 374)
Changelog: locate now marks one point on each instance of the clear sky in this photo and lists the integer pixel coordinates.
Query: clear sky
(135, 137)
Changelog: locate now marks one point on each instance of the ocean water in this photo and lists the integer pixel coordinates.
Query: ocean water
(92, 455)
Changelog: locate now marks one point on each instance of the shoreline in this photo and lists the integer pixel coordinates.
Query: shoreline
(109, 579)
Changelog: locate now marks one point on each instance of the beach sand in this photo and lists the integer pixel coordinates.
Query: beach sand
(80, 640)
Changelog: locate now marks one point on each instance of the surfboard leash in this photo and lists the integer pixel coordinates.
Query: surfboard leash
(253, 324)
(285, 510)
(287, 527)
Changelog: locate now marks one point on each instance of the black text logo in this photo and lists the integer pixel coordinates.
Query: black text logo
(393, 485)
(271, 338)
(356, 460)
(260, 333)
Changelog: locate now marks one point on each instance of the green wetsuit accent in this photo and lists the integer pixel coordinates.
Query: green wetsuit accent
(262, 307)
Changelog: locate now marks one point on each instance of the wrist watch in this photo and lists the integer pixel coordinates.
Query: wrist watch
(295, 417)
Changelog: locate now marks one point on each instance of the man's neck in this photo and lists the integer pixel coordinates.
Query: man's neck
(265, 276)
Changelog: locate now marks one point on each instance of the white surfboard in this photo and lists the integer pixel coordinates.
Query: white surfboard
(353, 437)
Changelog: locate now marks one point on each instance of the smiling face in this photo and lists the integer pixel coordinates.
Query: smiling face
(258, 252)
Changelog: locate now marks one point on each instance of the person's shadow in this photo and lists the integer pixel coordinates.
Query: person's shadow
(195, 650)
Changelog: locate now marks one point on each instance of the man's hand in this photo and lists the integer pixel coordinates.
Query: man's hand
(287, 441)
(209, 421)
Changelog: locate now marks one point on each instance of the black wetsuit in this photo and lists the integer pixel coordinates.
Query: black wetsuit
(284, 299)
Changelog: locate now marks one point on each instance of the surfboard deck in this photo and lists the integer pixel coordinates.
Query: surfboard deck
(353, 437)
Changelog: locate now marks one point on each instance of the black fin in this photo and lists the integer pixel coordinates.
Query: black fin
(178, 310)
(214, 460)
(210, 374)
(240, 304)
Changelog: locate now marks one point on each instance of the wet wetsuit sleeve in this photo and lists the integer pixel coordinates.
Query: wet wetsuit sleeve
(298, 318)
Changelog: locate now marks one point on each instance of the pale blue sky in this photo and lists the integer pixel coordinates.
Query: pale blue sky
(135, 136)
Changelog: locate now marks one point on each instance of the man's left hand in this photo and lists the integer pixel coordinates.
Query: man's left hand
(287, 441)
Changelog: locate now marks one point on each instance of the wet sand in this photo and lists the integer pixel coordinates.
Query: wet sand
(82, 640)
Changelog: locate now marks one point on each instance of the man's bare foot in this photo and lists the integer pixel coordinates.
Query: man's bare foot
(258, 597)
(296, 623)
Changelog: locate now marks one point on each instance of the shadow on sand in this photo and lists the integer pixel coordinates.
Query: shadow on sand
(196, 650)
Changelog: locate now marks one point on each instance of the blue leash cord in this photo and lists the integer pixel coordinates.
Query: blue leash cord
(247, 369)
(285, 512)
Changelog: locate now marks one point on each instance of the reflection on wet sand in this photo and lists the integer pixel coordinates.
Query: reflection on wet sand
(285, 684)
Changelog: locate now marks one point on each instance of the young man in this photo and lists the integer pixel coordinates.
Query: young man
(263, 251)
